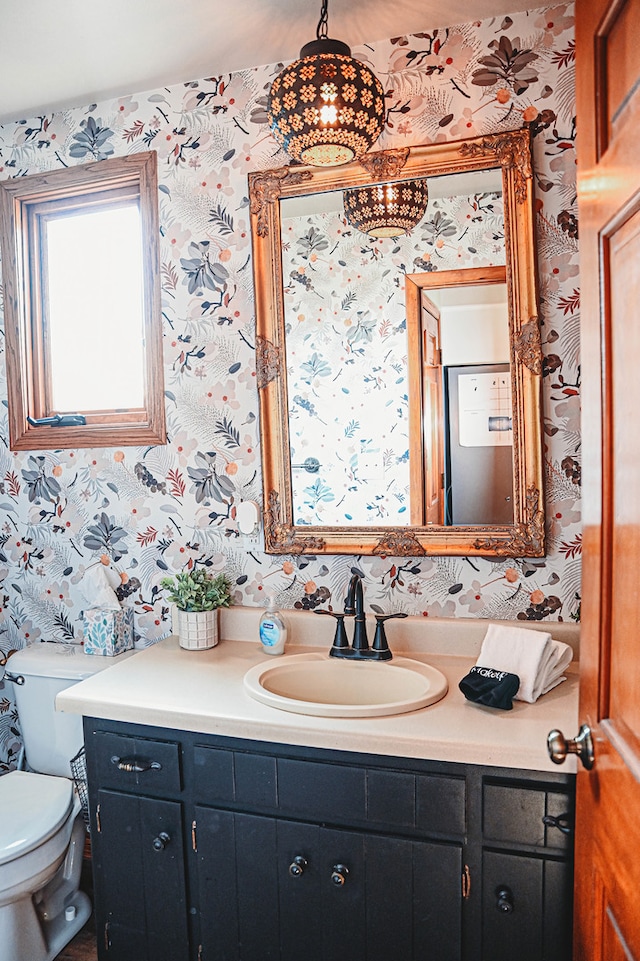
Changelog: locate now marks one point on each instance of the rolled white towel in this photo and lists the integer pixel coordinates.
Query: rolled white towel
(537, 659)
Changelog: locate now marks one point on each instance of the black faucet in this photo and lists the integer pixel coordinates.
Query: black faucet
(354, 605)
(359, 649)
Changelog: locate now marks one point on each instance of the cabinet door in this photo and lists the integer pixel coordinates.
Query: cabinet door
(525, 905)
(237, 886)
(283, 890)
(400, 900)
(139, 879)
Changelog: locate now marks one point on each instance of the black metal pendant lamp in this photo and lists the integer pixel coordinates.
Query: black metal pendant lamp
(386, 210)
(327, 108)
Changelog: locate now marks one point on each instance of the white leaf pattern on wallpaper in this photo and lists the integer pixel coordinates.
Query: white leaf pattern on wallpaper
(159, 510)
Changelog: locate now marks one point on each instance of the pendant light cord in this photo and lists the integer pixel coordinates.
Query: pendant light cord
(321, 30)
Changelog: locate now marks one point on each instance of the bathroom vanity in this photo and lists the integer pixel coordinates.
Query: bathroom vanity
(224, 830)
(217, 848)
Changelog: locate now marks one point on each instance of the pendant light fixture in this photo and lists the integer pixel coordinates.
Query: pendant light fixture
(387, 210)
(326, 108)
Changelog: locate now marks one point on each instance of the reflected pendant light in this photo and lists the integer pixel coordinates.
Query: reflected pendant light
(386, 210)
(326, 108)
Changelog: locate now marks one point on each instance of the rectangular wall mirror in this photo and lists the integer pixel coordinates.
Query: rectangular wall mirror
(398, 352)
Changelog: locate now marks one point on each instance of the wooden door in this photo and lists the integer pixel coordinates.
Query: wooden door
(433, 425)
(607, 876)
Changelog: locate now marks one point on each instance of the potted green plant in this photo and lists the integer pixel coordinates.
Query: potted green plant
(197, 597)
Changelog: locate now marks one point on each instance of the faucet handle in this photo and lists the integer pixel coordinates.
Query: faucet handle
(380, 645)
(340, 641)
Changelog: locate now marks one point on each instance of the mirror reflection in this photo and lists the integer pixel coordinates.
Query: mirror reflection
(467, 415)
(348, 337)
(399, 359)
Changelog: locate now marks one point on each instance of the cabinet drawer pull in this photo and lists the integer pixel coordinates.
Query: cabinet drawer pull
(504, 902)
(562, 822)
(339, 874)
(160, 843)
(297, 866)
(134, 765)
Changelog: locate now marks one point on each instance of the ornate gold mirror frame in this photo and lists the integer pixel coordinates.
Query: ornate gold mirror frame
(510, 151)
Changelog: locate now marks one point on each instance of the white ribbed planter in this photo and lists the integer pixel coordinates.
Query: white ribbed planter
(196, 630)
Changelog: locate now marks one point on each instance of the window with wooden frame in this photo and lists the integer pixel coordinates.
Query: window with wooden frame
(83, 323)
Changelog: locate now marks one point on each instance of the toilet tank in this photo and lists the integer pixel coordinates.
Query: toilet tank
(51, 738)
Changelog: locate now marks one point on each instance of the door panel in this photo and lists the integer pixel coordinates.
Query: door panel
(616, 52)
(437, 902)
(623, 250)
(516, 932)
(140, 880)
(343, 905)
(358, 895)
(300, 916)
(520, 919)
(607, 875)
(238, 886)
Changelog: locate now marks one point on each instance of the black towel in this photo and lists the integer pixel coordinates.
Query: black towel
(492, 688)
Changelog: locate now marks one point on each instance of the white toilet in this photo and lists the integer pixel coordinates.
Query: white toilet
(42, 829)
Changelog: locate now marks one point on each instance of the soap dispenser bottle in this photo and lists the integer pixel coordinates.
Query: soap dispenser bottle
(273, 630)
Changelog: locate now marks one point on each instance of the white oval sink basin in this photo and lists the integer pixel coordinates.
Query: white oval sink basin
(324, 686)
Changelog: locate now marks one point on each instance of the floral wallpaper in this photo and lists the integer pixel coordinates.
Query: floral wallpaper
(149, 511)
(346, 324)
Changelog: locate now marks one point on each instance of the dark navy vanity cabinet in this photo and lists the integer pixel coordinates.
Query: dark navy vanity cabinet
(210, 848)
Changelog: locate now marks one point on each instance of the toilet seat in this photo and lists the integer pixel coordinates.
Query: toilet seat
(39, 805)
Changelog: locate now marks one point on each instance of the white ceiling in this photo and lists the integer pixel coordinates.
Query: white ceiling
(64, 53)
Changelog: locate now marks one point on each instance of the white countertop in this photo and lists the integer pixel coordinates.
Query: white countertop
(202, 691)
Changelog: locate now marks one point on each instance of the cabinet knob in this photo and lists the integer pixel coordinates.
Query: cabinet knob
(504, 899)
(339, 874)
(297, 866)
(160, 843)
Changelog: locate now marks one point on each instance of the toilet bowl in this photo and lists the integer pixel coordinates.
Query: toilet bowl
(41, 846)
(42, 831)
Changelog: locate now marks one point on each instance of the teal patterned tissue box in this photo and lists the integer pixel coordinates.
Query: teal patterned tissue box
(108, 632)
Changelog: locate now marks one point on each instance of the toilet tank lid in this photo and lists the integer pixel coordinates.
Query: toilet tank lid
(60, 660)
(35, 805)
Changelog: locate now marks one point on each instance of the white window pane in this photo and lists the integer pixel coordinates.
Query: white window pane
(95, 295)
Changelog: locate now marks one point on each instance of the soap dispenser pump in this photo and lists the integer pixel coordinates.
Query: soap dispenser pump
(273, 630)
